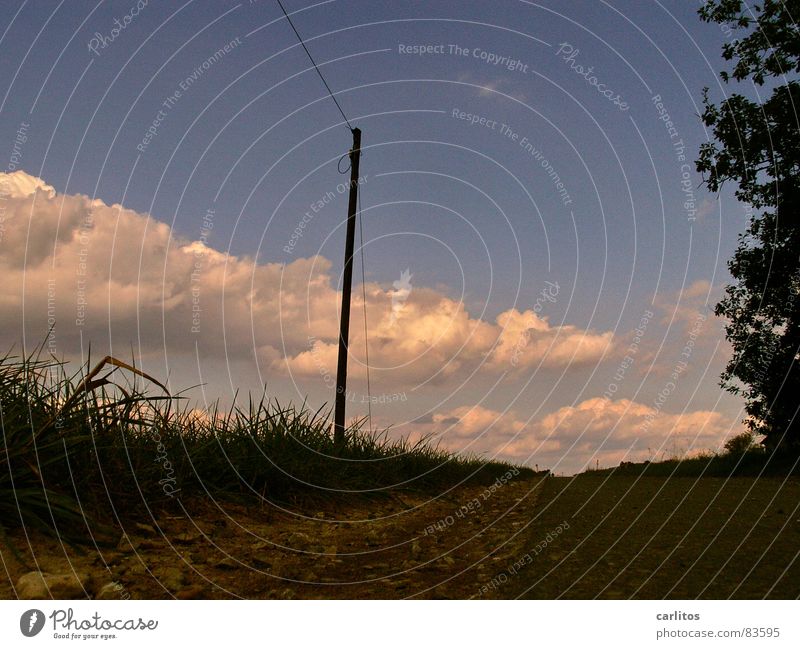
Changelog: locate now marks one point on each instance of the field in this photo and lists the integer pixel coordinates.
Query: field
(667, 538)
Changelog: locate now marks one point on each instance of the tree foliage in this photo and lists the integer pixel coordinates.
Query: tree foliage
(756, 146)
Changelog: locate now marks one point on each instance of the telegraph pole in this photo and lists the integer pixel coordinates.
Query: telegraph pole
(347, 284)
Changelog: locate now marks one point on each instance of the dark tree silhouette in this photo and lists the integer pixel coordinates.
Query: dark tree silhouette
(756, 144)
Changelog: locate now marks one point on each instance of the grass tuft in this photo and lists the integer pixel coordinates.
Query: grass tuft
(81, 443)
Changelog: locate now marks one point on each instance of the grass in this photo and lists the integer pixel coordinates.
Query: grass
(752, 463)
(82, 443)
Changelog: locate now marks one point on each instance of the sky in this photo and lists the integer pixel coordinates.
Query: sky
(541, 259)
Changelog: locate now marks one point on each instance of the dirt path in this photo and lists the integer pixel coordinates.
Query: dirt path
(543, 538)
(403, 546)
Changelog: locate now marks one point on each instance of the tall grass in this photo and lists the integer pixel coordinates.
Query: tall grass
(81, 443)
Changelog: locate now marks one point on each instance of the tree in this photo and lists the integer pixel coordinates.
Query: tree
(741, 444)
(756, 145)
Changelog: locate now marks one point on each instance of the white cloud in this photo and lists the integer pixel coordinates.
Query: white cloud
(116, 278)
(573, 437)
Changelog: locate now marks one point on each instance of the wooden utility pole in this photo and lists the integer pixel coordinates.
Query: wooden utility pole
(347, 284)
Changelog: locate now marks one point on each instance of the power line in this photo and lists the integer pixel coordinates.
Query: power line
(311, 58)
(364, 298)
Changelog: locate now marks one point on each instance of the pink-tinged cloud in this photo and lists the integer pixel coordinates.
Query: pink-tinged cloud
(576, 436)
(681, 308)
(434, 339)
(118, 279)
(113, 277)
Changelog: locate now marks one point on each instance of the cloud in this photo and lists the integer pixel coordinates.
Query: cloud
(107, 275)
(573, 437)
(19, 185)
(529, 339)
(434, 339)
(114, 277)
(682, 307)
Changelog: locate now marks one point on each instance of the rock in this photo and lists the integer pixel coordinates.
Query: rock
(227, 564)
(194, 558)
(43, 585)
(195, 591)
(113, 558)
(127, 544)
(148, 544)
(133, 570)
(187, 537)
(374, 537)
(298, 539)
(171, 578)
(267, 563)
(112, 590)
(144, 528)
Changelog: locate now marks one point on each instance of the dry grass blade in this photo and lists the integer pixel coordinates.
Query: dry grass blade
(89, 384)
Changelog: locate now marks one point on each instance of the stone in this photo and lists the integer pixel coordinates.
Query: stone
(196, 591)
(298, 540)
(144, 528)
(267, 563)
(187, 537)
(227, 564)
(374, 537)
(127, 544)
(171, 578)
(43, 585)
(113, 558)
(134, 569)
(148, 544)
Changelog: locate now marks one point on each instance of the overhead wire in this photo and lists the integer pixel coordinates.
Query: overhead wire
(364, 300)
(360, 216)
(316, 67)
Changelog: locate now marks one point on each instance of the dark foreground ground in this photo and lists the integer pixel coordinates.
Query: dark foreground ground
(584, 537)
(657, 538)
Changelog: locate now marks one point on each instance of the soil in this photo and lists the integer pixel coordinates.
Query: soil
(584, 537)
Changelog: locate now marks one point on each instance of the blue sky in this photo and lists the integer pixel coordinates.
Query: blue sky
(465, 207)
